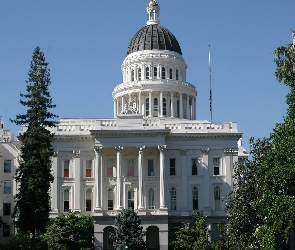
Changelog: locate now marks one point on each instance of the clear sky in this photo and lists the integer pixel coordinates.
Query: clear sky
(85, 43)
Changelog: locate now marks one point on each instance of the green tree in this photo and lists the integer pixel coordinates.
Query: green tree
(34, 176)
(262, 208)
(192, 236)
(276, 176)
(128, 232)
(70, 231)
(240, 204)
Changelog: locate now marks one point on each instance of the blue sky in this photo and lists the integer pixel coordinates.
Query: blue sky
(85, 43)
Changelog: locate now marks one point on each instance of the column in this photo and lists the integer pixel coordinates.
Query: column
(180, 106)
(184, 208)
(161, 104)
(98, 180)
(119, 178)
(150, 105)
(77, 190)
(139, 103)
(172, 105)
(194, 108)
(122, 104)
(118, 107)
(187, 107)
(115, 108)
(162, 178)
(206, 187)
(140, 177)
(53, 189)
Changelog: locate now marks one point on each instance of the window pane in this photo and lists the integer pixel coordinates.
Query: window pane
(177, 74)
(150, 167)
(147, 106)
(6, 230)
(151, 198)
(6, 208)
(110, 199)
(172, 167)
(164, 106)
(7, 166)
(195, 198)
(170, 73)
(88, 205)
(139, 74)
(216, 166)
(66, 168)
(173, 198)
(147, 73)
(163, 73)
(194, 167)
(7, 187)
(155, 72)
(130, 195)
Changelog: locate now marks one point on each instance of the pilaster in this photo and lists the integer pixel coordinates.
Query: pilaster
(119, 188)
(77, 190)
(140, 177)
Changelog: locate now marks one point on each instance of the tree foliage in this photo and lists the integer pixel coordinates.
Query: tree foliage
(34, 176)
(71, 231)
(263, 205)
(128, 231)
(192, 236)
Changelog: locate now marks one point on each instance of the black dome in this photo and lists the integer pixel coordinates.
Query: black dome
(154, 36)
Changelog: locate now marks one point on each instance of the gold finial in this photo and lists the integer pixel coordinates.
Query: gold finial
(153, 3)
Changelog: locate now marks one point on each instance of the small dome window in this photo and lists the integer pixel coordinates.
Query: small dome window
(139, 74)
(163, 73)
(170, 73)
(155, 72)
(177, 77)
(147, 73)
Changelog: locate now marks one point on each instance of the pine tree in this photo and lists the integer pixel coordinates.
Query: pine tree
(128, 232)
(34, 176)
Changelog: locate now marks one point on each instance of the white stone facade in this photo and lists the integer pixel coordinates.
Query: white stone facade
(154, 156)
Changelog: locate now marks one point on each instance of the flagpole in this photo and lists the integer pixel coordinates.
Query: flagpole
(210, 85)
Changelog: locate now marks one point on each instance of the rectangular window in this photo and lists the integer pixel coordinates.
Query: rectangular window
(177, 74)
(173, 198)
(88, 168)
(195, 198)
(139, 74)
(7, 166)
(172, 167)
(66, 168)
(155, 72)
(7, 187)
(130, 199)
(216, 166)
(130, 167)
(163, 73)
(217, 198)
(150, 167)
(194, 167)
(151, 198)
(88, 200)
(170, 74)
(66, 200)
(110, 168)
(6, 230)
(6, 208)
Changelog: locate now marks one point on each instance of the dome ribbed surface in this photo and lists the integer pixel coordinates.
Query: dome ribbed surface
(154, 36)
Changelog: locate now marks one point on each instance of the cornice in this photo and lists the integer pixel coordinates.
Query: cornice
(130, 132)
(207, 135)
(67, 138)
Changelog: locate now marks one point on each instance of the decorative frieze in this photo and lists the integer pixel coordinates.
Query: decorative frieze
(229, 151)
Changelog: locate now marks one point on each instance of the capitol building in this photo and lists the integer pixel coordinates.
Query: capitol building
(154, 156)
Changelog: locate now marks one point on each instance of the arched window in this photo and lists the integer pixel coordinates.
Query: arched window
(164, 106)
(132, 75)
(151, 204)
(177, 107)
(173, 198)
(147, 73)
(177, 74)
(163, 73)
(147, 106)
(110, 199)
(195, 198)
(155, 72)
(130, 197)
(139, 74)
(88, 200)
(170, 74)
(217, 198)
(194, 167)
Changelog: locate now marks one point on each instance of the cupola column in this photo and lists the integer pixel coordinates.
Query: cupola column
(172, 105)
(194, 108)
(118, 107)
(181, 106)
(115, 108)
(161, 103)
(150, 105)
(187, 107)
(122, 104)
(139, 103)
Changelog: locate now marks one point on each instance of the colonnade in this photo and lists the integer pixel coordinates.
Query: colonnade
(158, 104)
(119, 182)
